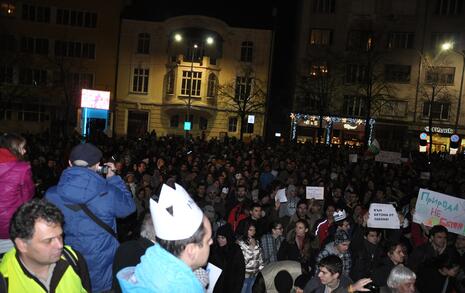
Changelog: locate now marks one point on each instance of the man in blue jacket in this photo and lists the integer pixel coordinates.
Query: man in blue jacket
(107, 198)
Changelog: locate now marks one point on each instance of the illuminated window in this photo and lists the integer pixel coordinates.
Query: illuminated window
(318, 70)
(191, 85)
(360, 40)
(321, 37)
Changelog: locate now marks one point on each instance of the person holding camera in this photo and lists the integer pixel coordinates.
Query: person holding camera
(91, 203)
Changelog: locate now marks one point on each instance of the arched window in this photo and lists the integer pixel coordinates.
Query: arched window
(212, 85)
(143, 43)
(247, 51)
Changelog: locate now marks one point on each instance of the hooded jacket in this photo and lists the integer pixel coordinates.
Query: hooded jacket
(16, 187)
(159, 271)
(108, 199)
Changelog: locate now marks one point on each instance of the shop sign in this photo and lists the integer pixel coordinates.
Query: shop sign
(440, 130)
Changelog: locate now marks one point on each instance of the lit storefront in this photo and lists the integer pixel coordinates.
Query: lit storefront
(441, 138)
(335, 130)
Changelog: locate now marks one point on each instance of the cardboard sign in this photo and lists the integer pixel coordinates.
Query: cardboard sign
(388, 157)
(434, 208)
(316, 192)
(383, 216)
(214, 273)
(353, 158)
(281, 195)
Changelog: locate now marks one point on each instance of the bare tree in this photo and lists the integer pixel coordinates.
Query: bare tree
(317, 88)
(244, 95)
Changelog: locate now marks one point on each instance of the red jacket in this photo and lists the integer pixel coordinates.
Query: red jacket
(16, 187)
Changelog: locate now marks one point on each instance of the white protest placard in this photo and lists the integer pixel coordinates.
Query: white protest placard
(353, 158)
(388, 157)
(383, 216)
(316, 192)
(434, 208)
(214, 273)
(281, 195)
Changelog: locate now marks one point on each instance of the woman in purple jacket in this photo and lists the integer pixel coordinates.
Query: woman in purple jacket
(16, 185)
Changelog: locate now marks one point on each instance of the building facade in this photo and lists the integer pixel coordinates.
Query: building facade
(49, 51)
(382, 60)
(194, 69)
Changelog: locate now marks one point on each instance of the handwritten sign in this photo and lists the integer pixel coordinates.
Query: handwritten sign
(281, 195)
(214, 273)
(316, 192)
(434, 208)
(388, 157)
(353, 158)
(383, 216)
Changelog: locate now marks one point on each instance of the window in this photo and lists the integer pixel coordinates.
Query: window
(354, 106)
(203, 123)
(318, 69)
(76, 18)
(356, 73)
(247, 51)
(74, 49)
(143, 43)
(324, 6)
(232, 124)
(243, 87)
(449, 7)
(7, 43)
(6, 74)
(360, 40)
(140, 80)
(34, 77)
(392, 108)
(439, 111)
(321, 37)
(191, 81)
(80, 80)
(41, 46)
(27, 45)
(441, 75)
(397, 73)
(248, 127)
(401, 40)
(170, 82)
(174, 121)
(212, 82)
(437, 39)
(36, 13)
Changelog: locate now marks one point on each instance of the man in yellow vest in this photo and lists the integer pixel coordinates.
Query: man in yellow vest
(40, 262)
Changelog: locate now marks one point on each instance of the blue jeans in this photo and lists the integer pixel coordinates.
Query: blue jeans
(248, 283)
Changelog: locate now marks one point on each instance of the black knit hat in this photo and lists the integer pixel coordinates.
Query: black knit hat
(86, 152)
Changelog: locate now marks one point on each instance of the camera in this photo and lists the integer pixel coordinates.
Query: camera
(103, 169)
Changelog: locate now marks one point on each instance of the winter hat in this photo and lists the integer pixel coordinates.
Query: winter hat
(227, 232)
(301, 281)
(85, 154)
(341, 236)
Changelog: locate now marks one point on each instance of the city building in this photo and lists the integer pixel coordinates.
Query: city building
(398, 64)
(191, 75)
(49, 51)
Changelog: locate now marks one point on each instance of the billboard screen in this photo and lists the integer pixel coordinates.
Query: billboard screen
(95, 99)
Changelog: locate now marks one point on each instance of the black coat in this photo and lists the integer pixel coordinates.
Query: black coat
(382, 271)
(365, 258)
(231, 260)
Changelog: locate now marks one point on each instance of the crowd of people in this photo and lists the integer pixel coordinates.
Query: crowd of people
(109, 213)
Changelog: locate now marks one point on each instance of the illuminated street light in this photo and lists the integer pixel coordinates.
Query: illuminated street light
(447, 46)
(210, 40)
(177, 37)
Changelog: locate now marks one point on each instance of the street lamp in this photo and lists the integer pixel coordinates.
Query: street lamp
(449, 46)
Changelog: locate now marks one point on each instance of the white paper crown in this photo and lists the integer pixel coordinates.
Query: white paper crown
(339, 215)
(175, 216)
